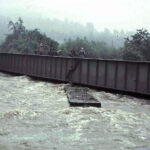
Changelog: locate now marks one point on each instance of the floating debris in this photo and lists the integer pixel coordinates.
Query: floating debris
(79, 96)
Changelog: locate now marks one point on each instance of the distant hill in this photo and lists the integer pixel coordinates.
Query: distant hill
(61, 30)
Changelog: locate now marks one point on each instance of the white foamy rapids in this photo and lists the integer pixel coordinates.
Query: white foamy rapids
(36, 115)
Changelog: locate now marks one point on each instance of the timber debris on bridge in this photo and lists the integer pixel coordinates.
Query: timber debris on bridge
(79, 96)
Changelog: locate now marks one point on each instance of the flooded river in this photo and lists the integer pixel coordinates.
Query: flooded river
(35, 115)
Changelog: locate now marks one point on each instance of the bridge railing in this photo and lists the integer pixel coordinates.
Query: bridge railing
(130, 76)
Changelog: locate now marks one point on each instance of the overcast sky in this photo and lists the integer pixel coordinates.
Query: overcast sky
(112, 14)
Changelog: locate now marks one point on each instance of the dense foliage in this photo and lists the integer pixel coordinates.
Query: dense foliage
(64, 29)
(137, 47)
(93, 49)
(26, 41)
(21, 40)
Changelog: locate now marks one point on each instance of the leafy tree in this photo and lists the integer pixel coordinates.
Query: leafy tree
(93, 49)
(138, 46)
(26, 41)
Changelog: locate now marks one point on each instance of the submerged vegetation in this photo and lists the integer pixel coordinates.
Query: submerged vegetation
(24, 41)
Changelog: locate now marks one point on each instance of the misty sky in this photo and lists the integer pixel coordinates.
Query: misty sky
(112, 14)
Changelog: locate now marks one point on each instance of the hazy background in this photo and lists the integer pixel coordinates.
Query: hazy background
(104, 20)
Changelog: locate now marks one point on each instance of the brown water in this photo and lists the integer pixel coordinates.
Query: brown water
(35, 115)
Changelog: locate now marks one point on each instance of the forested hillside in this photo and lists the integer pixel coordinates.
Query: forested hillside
(63, 30)
(24, 41)
(20, 39)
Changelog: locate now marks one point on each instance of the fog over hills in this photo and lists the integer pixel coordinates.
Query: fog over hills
(61, 30)
(114, 14)
(99, 26)
(107, 21)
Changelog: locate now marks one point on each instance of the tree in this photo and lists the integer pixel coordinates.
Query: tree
(26, 41)
(138, 46)
(17, 28)
(93, 49)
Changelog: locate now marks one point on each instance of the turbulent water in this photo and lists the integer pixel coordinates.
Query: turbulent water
(35, 115)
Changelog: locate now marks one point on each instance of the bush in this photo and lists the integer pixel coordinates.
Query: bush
(138, 46)
(27, 41)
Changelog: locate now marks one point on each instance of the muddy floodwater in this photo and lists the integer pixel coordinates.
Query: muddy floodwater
(35, 115)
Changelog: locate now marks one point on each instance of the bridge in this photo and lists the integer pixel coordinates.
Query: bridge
(117, 75)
